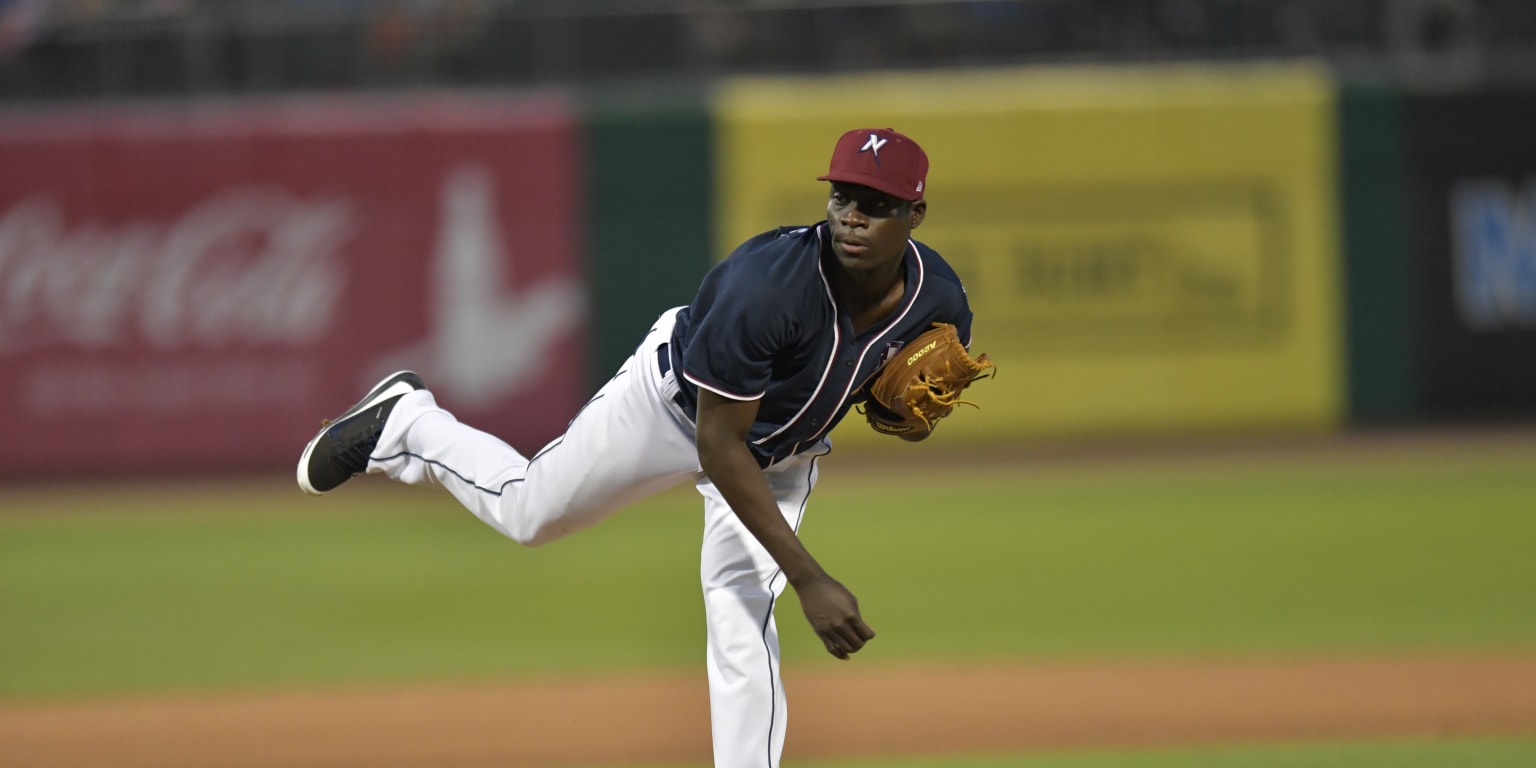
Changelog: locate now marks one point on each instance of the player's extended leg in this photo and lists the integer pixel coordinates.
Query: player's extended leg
(627, 442)
(741, 585)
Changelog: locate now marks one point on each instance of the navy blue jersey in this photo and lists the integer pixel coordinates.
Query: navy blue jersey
(766, 326)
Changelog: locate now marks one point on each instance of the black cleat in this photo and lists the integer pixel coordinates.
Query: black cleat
(341, 450)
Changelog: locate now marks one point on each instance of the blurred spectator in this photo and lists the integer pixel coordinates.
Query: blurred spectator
(417, 39)
(20, 24)
(457, 28)
(392, 37)
(721, 31)
(71, 12)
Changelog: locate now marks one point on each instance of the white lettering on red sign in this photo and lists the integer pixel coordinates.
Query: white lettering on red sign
(251, 266)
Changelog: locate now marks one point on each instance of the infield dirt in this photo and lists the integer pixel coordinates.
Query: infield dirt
(892, 711)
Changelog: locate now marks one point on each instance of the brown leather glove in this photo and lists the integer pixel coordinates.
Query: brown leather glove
(922, 384)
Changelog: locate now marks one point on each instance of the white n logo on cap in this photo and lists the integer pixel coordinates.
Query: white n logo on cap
(873, 145)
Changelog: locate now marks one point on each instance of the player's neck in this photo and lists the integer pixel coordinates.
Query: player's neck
(868, 297)
(869, 286)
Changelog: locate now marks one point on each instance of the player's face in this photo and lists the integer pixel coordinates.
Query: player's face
(869, 227)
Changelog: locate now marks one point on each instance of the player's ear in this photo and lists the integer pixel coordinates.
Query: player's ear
(919, 210)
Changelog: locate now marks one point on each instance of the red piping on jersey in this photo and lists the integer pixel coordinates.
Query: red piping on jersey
(728, 395)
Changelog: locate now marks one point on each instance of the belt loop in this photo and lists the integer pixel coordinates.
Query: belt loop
(664, 365)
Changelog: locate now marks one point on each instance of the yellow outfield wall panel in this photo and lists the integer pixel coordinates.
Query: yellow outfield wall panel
(1145, 249)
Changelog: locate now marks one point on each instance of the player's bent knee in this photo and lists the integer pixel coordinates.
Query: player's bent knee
(529, 536)
(538, 532)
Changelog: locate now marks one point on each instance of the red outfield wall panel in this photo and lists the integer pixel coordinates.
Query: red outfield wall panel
(185, 288)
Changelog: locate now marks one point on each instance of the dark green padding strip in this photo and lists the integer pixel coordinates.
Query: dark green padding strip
(649, 183)
(1378, 270)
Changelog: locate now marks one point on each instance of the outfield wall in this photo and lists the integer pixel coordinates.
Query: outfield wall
(1439, 202)
(1378, 278)
(1471, 162)
(1149, 250)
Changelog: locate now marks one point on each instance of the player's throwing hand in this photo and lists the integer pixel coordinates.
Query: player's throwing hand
(833, 612)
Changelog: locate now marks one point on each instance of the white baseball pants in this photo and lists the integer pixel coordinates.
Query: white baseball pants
(629, 441)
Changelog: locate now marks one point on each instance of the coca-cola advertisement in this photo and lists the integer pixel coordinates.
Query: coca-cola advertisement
(196, 287)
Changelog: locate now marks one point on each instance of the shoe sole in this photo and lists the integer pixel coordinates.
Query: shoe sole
(393, 385)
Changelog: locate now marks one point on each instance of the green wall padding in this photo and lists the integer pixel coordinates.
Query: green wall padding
(1378, 270)
(649, 188)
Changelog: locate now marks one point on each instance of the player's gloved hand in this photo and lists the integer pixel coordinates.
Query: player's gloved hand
(833, 612)
(922, 384)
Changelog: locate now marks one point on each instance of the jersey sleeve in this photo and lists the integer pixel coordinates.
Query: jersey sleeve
(951, 303)
(963, 322)
(957, 312)
(740, 324)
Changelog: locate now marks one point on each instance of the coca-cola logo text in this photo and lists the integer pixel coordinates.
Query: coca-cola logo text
(251, 265)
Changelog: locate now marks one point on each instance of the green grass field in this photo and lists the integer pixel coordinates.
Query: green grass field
(149, 588)
(254, 585)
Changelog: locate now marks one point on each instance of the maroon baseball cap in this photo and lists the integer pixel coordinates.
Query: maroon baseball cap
(880, 158)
